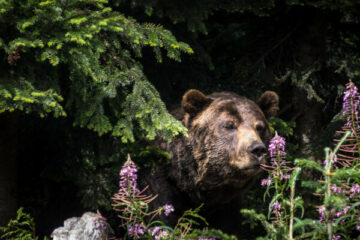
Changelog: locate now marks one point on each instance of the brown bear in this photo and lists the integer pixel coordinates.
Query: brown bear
(220, 157)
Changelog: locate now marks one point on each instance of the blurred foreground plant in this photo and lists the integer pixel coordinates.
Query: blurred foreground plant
(132, 205)
(340, 213)
(22, 227)
(349, 151)
(279, 223)
(338, 189)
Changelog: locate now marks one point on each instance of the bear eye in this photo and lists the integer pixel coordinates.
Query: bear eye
(260, 128)
(229, 125)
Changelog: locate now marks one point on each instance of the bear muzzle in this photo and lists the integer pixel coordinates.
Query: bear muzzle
(257, 152)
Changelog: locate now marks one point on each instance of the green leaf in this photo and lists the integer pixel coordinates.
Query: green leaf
(305, 163)
(344, 173)
(294, 175)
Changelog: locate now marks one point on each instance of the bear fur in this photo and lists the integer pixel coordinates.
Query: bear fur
(218, 160)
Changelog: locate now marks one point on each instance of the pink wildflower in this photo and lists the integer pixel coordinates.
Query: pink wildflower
(276, 209)
(266, 182)
(355, 189)
(277, 146)
(168, 209)
(321, 211)
(136, 230)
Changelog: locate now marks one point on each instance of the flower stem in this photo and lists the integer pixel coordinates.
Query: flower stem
(328, 190)
(354, 130)
(292, 193)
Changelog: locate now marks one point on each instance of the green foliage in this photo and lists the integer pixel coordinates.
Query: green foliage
(283, 128)
(20, 228)
(86, 51)
(304, 80)
(146, 157)
(186, 222)
(210, 233)
(254, 217)
(27, 98)
(305, 163)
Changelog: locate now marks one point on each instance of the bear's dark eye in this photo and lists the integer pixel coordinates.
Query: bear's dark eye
(260, 129)
(229, 125)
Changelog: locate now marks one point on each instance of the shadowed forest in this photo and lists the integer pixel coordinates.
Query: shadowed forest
(84, 83)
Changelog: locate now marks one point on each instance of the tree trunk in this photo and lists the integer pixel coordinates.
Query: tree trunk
(9, 123)
(309, 121)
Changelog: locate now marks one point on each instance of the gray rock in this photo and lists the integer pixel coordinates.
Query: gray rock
(91, 226)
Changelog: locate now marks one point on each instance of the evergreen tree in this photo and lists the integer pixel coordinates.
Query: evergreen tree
(86, 52)
(79, 59)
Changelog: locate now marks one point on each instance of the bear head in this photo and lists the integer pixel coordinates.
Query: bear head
(227, 137)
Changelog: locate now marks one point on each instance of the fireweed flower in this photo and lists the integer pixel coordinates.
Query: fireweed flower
(163, 234)
(276, 209)
(349, 152)
(321, 211)
(358, 225)
(136, 230)
(168, 209)
(128, 179)
(99, 222)
(266, 182)
(154, 230)
(128, 175)
(332, 213)
(132, 204)
(277, 146)
(332, 160)
(159, 233)
(355, 189)
(336, 189)
(351, 101)
(278, 165)
(343, 212)
(336, 237)
(339, 214)
(284, 176)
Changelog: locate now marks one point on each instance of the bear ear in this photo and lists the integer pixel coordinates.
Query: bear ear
(269, 103)
(194, 101)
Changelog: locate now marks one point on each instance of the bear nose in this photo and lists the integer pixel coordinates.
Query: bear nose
(257, 150)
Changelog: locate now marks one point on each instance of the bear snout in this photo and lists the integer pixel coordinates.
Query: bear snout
(257, 151)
